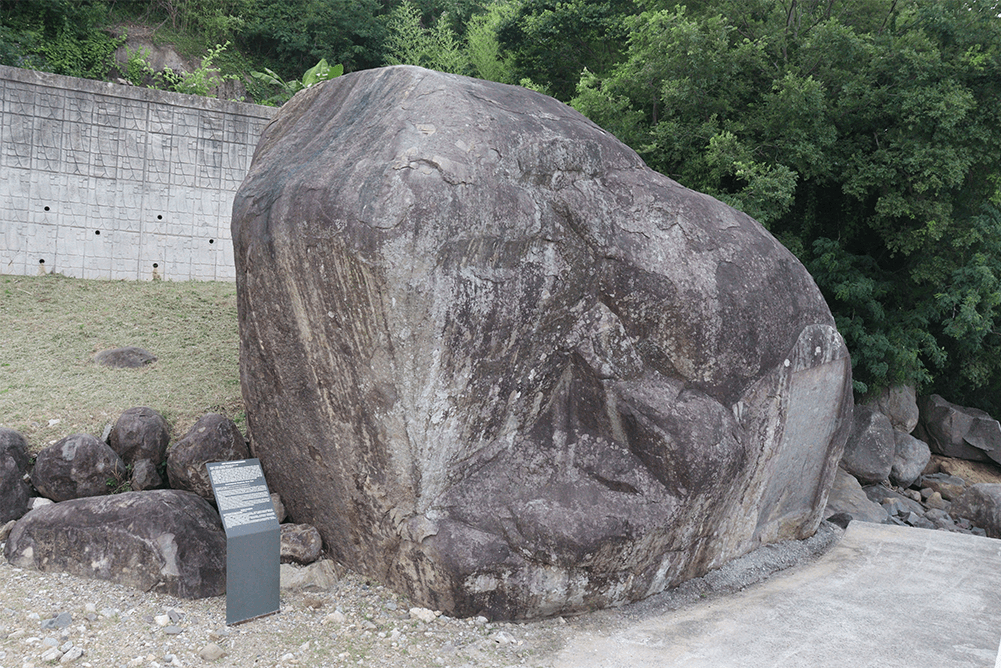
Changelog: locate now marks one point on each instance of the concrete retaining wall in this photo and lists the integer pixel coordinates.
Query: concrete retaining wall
(107, 181)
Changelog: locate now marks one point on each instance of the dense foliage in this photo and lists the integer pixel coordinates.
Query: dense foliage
(865, 134)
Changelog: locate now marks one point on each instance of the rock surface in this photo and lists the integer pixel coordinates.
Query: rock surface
(871, 446)
(129, 357)
(140, 437)
(900, 405)
(505, 367)
(14, 491)
(77, 466)
(300, 543)
(981, 504)
(848, 497)
(214, 438)
(910, 457)
(957, 431)
(166, 541)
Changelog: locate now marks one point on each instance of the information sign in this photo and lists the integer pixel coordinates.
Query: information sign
(253, 539)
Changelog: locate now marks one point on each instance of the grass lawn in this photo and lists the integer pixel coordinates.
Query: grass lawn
(51, 327)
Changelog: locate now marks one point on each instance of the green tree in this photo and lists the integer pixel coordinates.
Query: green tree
(551, 42)
(410, 43)
(865, 134)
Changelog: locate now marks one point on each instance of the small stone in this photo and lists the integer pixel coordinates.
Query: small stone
(422, 614)
(66, 646)
(336, 617)
(288, 656)
(51, 655)
(161, 620)
(175, 616)
(60, 621)
(211, 652)
(304, 647)
(172, 630)
(72, 655)
(90, 607)
(6, 529)
(935, 500)
(503, 638)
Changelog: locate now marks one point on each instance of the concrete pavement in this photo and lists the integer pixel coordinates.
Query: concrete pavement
(883, 596)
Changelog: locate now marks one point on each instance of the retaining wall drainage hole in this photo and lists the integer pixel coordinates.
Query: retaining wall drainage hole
(159, 217)
(97, 232)
(155, 265)
(46, 208)
(211, 241)
(41, 261)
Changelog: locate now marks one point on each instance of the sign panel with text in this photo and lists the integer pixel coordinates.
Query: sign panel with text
(253, 539)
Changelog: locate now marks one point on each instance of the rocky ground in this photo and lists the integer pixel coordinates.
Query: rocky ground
(52, 619)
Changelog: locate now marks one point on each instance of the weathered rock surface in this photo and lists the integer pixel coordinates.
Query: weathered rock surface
(971, 472)
(129, 357)
(14, 491)
(167, 541)
(871, 446)
(981, 504)
(77, 466)
(214, 438)
(900, 405)
(503, 366)
(910, 457)
(300, 543)
(949, 486)
(956, 431)
(140, 437)
(848, 497)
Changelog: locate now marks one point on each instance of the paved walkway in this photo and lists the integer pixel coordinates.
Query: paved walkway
(884, 596)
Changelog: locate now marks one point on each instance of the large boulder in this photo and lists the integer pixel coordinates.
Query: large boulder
(871, 446)
(167, 541)
(910, 457)
(77, 466)
(14, 491)
(505, 367)
(956, 431)
(140, 437)
(214, 438)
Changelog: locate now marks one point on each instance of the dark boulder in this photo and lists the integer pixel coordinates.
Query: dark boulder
(128, 357)
(14, 491)
(505, 367)
(955, 431)
(214, 438)
(140, 437)
(166, 541)
(78, 466)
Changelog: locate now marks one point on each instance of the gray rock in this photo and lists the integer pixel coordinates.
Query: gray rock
(59, 622)
(300, 543)
(276, 501)
(900, 405)
(14, 491)
(847, 497)
(6, 529)
(879, 494)
(214, 438)
(981, 505)
(167, 541)
(78, 466)
(211, 652)
(949, 486)
(955, 431)
(140, 437)
(129, 357)
(320, 575)
(870, 448)
(910, 457)
(505, 367)
(935, 500)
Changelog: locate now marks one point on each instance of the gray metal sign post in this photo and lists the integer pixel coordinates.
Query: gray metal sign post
(253, 539)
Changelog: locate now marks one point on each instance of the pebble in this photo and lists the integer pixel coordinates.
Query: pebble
(423, 614)
(211, 652)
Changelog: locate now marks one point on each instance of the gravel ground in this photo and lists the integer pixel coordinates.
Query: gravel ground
(353, 623)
